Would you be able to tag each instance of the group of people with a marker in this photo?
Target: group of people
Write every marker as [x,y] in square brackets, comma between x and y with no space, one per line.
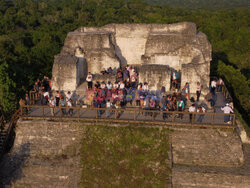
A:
[42,88]
[62,101]
[126,90]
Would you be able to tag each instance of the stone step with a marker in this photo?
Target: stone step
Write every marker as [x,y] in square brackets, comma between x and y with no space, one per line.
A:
[198,179]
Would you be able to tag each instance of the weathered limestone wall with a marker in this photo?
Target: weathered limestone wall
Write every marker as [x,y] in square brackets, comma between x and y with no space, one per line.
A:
[115,45]
[198,73]
[157,76]
[97,46]
[65,73]
[104,78]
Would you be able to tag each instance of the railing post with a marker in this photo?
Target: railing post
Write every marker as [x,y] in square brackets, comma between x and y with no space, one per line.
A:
[96,115]
[60,109]
[115,113]
[212,118]
[193,117]
[43,111]
[234,120]
[30,96]
[21,110]
[78,112]
[134,115]
[173,116]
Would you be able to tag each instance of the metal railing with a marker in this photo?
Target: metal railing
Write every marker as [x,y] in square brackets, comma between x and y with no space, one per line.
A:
[134,113]
[124,114]
[34,96]
[10,125]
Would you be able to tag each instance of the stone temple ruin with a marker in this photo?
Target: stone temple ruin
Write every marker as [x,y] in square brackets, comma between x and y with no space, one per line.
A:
[154,49]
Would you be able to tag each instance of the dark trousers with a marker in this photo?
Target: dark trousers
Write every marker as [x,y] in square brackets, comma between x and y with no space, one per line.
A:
[57,101]
[213,90]
[198,94]
[70,111]
[137,102]
[164,115]
[191,117]
[212,102]
[133,84]
[180,110]
[90,85]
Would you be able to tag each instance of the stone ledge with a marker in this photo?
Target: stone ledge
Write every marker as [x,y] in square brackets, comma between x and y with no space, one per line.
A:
[242,132]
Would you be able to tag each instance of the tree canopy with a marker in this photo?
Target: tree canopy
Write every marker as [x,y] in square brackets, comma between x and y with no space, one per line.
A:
[32,32]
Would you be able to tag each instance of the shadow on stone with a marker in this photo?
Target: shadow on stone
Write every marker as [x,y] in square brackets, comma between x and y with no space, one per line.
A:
[12,164]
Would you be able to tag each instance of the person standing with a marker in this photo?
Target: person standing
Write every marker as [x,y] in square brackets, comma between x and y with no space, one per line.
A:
[191,110]
[57,98]
[108,106]
[198,91]
[175,77]
[213,87]
[69,104]
[69,95]
[22,103]
[227,110]
[89,80]
[219,85]
[201,109]
[62,104]
[181,106]
[187,91]
[52,106]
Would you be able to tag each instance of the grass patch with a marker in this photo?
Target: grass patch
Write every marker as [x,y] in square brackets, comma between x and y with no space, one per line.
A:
[125,157]
[247,128]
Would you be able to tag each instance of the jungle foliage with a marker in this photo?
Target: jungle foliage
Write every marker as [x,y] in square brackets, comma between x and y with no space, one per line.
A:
[32,32]
[208,4]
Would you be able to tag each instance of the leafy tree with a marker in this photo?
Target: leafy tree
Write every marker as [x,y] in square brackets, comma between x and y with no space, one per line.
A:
[7,89]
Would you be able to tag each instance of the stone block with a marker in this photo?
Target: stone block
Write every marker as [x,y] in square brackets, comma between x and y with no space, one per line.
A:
[157,76]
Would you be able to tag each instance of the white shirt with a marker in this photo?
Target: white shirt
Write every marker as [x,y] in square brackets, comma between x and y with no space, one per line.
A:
[227,109]
[213,83]
[122,85]
[145,87]
[174,76]
[89,78]
[116,86]
[52,102]
[103,86]
[69,104]
[198,88]
[109,86]
[191,109]
[46,94]
[180,104]
[68,96]
[108,104]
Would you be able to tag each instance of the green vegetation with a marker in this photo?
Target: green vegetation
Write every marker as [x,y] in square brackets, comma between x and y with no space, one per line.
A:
[209,4]
[32,32]
[125,157]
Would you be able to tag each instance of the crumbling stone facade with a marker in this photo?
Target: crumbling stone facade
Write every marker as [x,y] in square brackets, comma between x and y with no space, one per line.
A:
[173,46]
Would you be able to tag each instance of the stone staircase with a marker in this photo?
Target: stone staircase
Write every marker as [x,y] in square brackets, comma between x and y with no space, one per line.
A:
[210,158]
